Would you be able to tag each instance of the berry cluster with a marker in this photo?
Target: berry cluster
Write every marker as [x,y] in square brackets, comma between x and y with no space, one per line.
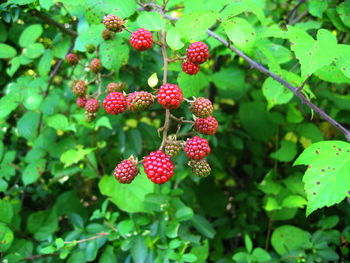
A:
[158,165]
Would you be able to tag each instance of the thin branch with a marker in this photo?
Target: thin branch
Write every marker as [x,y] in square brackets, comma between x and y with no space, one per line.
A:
[291,13]
[181,120]
[99,235]
[50,21]
[264,70]
[92,166]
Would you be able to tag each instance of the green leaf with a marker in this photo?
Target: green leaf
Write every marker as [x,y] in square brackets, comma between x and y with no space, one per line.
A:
[108,255]
[191,85]
[286,152]
[125,227]
[173,39]
[92,36]
[30,35]
[343,60]
[241,257]
[139,249]
[6,211]
[275,93]
[335,19]
[189,257]
[3,32]
[34,50]
[317,7]
[294,201]
[60,122]
[33,171]
[7,51]
[129,198]
[42,224]
[203,226]
[289,238]
[193,26]
[27,125]
[74,156]
[327,176]
[241,33]
[248,243]
[184,213]
[32,100]
[260,255]
[45,63]
[151,21]
[103,122]
[343,9]
[114,54]
[6,237]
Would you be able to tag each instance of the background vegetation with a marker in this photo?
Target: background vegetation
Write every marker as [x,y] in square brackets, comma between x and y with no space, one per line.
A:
[59,201]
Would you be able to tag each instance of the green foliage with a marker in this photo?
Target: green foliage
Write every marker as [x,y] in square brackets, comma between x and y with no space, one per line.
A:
[59,200]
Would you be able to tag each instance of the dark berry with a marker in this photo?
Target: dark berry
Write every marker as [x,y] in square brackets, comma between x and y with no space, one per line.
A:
[126,171]
[170,96]
[72,59]
[141,39]
[158,167]
[80,88]
[114,103]
[96,65]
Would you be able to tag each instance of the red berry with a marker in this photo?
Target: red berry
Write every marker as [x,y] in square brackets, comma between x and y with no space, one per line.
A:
[198,52]
[158,167]
[141,39]
[113,23]
[190,68]
[126,171]
[113,87]
[139,101]
[197,148]
[81,101]
[72,59]
[170,96]
[80,88]
[115,103]
[92,105]
[202,108]
[96,65]
[107,34]
[207,126]
[200,168]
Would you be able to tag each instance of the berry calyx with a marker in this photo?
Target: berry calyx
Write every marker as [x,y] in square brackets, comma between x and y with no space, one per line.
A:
[80,88]
[107,34]
[200,168]
[90,116]
[158,167]
[170,96]
[172,148]
[72,59]
[81,101]
[92,105]
[141,39]
[198,52]
[190,68]
[113,87]
[126,171]
[113,23]
[197,148]
[202,108]
[207,126]
[114,103]
[96,65]
[139,101]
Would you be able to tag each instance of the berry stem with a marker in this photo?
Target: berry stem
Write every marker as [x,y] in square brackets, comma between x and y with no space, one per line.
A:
[181,120]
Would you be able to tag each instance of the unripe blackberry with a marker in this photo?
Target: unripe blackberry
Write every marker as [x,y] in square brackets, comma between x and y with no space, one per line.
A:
[90,48]
[197,148]
[172,148]
[200,168]
[113,87]
[96,65]
[202,108]
[90,116]
[139,101]
[92,105]
[107,34]
[158,167]
[141,39]
[126,171]
[190,68]
[198,52]
[113,23]
[170,96]
[114,103]
[72,59]
[81,101]
[207,126]
[80,88]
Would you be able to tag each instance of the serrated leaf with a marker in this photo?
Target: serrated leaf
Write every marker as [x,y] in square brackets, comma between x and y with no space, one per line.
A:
[42,224]
[33,51]
[294,201]
[151,21]
[114,53]
[27,125]
[327,176]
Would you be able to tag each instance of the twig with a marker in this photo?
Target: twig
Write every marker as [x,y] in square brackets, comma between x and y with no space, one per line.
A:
[291,13]
[264,70]
[99,235]
[92,166]
[181,120]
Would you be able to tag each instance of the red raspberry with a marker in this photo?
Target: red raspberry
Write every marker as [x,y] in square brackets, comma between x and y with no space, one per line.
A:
[72,59]
[126,171]
[207,126]
[92,105]
[170,96]
[113,87]
[139,101]
[96,65]
[115,103]
[158,167]
[113,23]
[80,88]
[190,68]
[197,148]
[81,101]
[202,108]
[200,168]
[141,39]
[107,34]
[198,52]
